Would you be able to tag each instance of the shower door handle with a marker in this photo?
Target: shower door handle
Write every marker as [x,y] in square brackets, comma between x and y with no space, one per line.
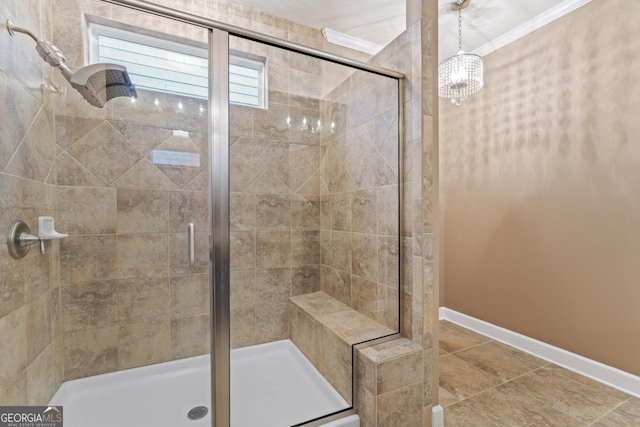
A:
[191,244]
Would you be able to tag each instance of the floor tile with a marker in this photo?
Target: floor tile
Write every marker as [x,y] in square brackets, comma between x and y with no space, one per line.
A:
[446,399]
[454,339]
[463,379]
[602,388]
[462,415]
[506,405]
[577,400]
[627,414]
[500,360]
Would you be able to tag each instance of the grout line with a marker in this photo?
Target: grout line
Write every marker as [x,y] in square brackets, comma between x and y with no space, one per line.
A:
[560,374]
[467,348]
[497,385]
[612,410]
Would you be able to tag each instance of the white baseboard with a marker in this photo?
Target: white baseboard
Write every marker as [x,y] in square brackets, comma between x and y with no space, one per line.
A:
[597,371]
[437,416]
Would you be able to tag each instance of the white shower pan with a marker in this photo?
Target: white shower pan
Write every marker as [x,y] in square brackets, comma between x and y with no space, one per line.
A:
[273,385]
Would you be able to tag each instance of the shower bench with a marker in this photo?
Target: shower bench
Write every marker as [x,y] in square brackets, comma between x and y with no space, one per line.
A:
[325,330]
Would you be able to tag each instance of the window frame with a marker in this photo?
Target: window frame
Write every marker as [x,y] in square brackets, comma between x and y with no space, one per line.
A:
[175,44]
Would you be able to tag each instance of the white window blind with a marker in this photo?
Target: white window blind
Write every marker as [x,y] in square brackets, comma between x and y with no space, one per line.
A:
[165,66]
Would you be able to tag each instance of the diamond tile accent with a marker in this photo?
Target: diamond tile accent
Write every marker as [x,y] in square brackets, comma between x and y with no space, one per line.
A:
[105,153]
[182,175]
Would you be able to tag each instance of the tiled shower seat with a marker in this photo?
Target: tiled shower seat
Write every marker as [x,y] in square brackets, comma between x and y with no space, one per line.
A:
[324,329]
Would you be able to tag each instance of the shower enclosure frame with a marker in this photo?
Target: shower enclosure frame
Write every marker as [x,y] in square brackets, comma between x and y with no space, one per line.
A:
[219,202]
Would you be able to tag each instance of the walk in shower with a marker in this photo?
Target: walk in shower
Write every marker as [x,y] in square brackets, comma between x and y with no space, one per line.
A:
[234,228]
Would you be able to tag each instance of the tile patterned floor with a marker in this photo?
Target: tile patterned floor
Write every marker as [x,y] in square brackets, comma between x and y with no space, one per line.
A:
[484,383]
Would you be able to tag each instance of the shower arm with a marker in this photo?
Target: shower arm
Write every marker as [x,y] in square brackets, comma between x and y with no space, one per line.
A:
[48,51]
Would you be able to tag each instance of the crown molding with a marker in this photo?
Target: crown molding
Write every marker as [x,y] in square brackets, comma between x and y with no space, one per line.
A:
[531,25]
[355,43]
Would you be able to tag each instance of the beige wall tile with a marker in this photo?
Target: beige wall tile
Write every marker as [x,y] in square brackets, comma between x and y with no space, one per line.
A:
[305,247]
[38,313]
[179,256]
[399,372]
[363,208]
[87,258]
[16,393]
[188,207]
[143,255]
[189,336]
[189,295]
[71,172]
[90,352]
[106,153]
[303,161]
[141,300]
[243,326]
[243,250]
[243,211]
[340,211]
[84,210]
[305,279]
[142,211]
[364,295]
[144,175]
[271,123]
[37,270]
[13,352]
[341,250]
[182,175]
[388,261]
[40,379]
[273,249]
[144,138]
[400,407]
[364,260]
[273,212]
[142,344]
[12,283]
[34,157]
[89,305]
[15,98]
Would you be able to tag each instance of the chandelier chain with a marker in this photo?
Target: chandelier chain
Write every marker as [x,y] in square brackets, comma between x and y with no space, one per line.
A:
[460,24]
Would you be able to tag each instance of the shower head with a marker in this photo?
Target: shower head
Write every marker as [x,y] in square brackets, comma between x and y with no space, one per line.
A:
[97,83]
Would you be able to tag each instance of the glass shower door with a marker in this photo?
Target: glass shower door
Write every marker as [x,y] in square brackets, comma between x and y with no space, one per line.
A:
[314,234]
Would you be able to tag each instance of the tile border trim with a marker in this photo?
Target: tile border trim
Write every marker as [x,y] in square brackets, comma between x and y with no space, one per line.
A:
[589,368]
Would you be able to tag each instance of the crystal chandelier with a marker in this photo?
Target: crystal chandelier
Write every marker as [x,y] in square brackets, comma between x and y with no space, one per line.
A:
[462,74]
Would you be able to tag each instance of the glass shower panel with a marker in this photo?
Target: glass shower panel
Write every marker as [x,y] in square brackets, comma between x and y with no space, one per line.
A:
[133,194]
[315,241]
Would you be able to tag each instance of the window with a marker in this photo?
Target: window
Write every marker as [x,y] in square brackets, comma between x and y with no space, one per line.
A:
[163,65]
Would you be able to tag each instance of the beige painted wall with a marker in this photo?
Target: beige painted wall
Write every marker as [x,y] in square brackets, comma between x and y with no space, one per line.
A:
[542,202]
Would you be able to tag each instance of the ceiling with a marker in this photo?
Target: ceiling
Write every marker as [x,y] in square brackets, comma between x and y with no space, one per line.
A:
[380,21]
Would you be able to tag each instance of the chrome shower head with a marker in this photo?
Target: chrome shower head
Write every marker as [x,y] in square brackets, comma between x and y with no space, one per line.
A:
[97,83]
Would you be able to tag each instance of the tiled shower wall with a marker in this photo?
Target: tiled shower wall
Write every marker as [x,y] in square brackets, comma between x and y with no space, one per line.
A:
[128,298]
[30,353]
[275,205]
[359,196]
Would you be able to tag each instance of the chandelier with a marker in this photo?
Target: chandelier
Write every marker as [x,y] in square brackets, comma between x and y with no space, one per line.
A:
[462,74]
